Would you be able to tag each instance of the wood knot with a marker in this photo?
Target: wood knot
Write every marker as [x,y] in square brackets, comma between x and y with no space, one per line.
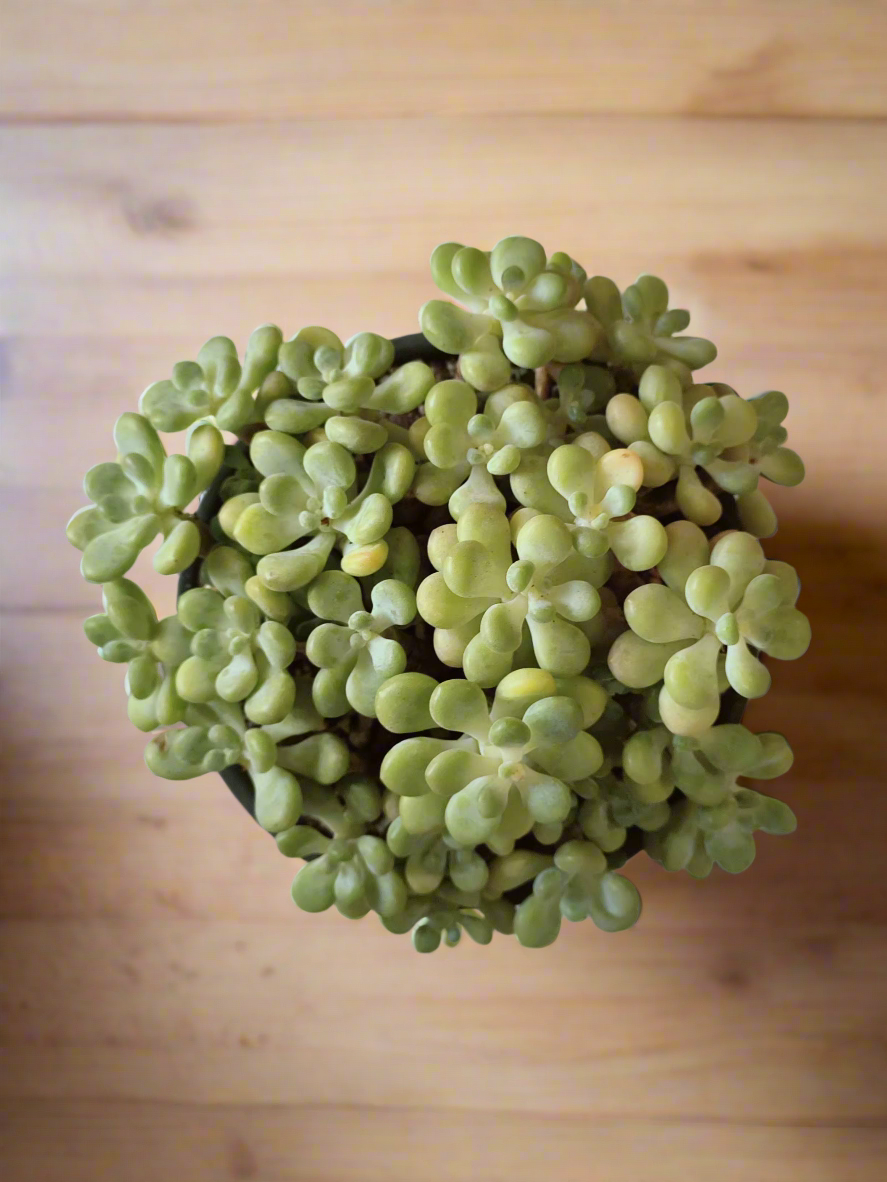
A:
[165,217]
[732,977]
[241,1159]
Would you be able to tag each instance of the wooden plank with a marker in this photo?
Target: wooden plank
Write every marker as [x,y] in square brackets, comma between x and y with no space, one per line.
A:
[223,201]
[61,1141]
[741,1022]
[65,59]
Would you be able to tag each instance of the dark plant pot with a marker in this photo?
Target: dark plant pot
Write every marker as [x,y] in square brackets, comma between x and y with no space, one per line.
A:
[415,347]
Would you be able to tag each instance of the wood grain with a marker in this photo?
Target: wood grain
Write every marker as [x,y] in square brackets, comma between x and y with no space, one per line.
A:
[205,1143]
[168,172]
[242,59]
[314,199]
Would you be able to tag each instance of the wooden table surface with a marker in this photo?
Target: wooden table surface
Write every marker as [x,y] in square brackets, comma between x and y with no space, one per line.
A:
[171,171]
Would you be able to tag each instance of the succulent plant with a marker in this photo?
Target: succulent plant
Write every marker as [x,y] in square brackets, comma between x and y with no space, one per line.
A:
[236,656]
[455,438]
[140,495]
[311,493]
[731,604]
[354,656]
[215,385]
[488,610]
[520,309]
[641,327]
[474,630]
[512,772]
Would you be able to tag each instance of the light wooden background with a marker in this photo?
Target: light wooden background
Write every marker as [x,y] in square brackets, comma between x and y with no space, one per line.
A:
[175,170]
